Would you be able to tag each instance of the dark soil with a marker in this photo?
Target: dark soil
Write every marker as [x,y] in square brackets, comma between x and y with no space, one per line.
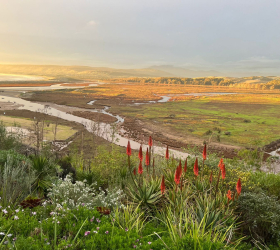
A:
[135,130]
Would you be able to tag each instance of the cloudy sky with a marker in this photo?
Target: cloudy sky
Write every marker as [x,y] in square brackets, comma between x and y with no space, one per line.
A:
[223,35]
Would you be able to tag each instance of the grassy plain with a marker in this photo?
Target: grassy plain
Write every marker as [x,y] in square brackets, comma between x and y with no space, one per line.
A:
[249,123]
[63,132]
[244,118]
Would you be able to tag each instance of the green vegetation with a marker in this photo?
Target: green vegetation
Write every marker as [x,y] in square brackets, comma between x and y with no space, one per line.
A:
[235,118]
[62,132]
[213,81]
[258,83]
[61,202]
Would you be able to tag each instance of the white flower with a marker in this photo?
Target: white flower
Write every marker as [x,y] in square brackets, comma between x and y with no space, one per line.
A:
[9,235]
[17,210]
[16,217]
[1,233]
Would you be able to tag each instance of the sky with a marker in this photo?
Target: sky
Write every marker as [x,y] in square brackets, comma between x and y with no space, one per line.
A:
[222,35]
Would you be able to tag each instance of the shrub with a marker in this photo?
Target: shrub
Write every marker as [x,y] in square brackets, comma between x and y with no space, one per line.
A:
[104,167]
[73,195]
[16,179]
[260,215]
[268,182]
[8,140]
[247,120]
[45,171]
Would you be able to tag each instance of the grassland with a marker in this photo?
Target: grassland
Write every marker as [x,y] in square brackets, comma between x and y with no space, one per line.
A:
[63,132]
[240,119]
[246,123]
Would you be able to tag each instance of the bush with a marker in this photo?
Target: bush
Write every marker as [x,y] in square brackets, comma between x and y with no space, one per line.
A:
[73,195]
[270,183]
[16,178]
[8,140]
[260,216]
[104,168]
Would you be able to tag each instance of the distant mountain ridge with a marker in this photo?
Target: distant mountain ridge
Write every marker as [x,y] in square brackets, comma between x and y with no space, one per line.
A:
[81,72]
[183,72]
[76,72]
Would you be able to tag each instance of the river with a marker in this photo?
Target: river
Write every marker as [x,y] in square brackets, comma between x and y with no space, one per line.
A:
[105,130]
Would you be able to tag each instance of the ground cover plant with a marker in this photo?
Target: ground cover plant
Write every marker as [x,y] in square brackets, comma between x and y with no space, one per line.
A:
[144,202]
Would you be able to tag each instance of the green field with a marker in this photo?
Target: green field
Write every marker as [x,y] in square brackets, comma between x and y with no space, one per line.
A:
[63,132]
[248,123]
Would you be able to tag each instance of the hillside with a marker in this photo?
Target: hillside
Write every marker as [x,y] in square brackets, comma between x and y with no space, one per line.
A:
[80,72]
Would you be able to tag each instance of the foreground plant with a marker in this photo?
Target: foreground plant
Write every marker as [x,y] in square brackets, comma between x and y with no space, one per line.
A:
[146,195]
[73,195]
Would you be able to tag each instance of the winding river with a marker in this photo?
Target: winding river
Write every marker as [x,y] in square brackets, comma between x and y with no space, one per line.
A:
[104,130]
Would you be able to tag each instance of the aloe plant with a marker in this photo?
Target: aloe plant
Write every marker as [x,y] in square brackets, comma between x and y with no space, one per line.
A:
[44,172]
[145,195]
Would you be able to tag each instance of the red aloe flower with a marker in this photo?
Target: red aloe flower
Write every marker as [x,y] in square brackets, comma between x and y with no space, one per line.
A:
[223,169]
[150,141]
[221,163]
[134,171]
[167,153]
[185,167]
[162,186]
[229,195]
[211,177]
[140,154]
[177,176]
[204,154]
[147,162]
[140,168]
[128,149]
[180,167]
[238,186]
[195,168]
